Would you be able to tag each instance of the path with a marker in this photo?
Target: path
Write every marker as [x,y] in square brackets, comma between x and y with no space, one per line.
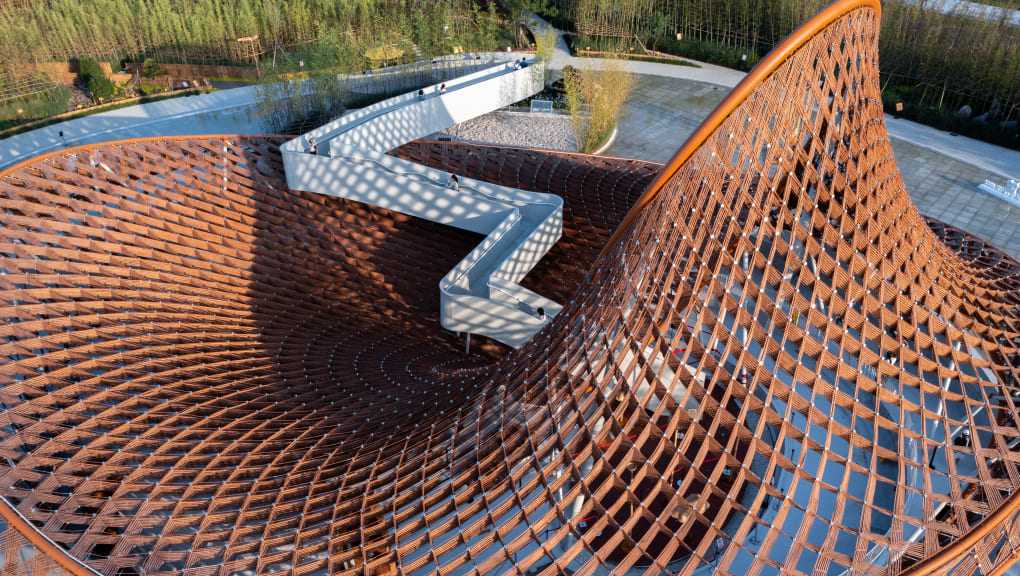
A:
[942,171]
[996,159]
[703,73]
[481,295]
[974,10]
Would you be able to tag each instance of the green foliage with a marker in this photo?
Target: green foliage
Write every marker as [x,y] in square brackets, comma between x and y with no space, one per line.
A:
[951,54]
[294,106]
[556,13]
[659,25]
[205,31]
[922,106]
[711,51]
[594,100]
[91,75]
[50,103]
[952,60]
[101,88]
[88,69]
[149,68]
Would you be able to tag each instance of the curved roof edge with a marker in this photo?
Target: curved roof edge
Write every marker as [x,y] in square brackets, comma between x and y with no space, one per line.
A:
[39,540]
[756,76]
[1003,515]
[7,511]
[71,149]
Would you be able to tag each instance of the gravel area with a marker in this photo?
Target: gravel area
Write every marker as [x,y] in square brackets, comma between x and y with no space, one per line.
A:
[548,131]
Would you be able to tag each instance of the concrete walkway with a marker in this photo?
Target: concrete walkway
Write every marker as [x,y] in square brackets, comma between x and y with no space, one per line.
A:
[225,112]
[1000,161]
[941,171]
[482,294]
[704,72]
[663,112]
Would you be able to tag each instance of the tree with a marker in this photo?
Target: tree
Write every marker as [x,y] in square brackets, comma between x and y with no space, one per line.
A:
[595,99]
[91,75]
[100,87]
[573,94]
[521,11]
[150,69]
[545,47]
[658,26]
[88,68]
[294,106]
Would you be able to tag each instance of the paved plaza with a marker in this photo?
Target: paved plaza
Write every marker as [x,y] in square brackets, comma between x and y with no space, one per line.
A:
[664,111]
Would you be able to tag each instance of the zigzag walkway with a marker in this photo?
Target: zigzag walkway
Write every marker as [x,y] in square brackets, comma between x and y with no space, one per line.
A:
[481,295]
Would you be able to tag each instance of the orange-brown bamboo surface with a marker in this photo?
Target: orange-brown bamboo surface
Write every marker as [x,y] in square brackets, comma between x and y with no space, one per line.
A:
[776,367]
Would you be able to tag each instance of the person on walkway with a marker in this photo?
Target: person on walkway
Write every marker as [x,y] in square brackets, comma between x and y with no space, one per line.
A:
[963,439]
[541,314]
[421,95]
[312,147]
[453,183]
[442,89]
[517,64]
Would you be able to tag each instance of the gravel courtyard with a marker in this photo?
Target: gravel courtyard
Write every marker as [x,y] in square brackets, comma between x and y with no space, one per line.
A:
[548,131]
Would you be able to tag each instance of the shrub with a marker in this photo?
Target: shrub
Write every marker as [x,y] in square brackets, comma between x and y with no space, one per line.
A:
[709,51]
[30,108]
[92,76]
[88,68]
[149,68]
[100,87]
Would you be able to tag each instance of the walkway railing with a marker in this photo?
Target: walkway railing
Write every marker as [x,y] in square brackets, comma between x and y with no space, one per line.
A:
[480,295]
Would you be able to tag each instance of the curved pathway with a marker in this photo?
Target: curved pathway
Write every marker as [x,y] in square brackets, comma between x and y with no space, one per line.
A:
[481,295]
[996,159]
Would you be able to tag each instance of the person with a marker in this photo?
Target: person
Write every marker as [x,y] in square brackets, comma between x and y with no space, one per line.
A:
[453,183]
[421,95]
[963,439]
[524,63]
[312,147]
[517,64]
[508,49]
[541,314]
[442,89]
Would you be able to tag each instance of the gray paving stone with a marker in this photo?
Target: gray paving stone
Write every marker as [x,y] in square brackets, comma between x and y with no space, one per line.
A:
[663,112]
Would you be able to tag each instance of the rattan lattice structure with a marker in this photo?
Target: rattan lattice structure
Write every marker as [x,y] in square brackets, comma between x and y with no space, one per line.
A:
[774,365]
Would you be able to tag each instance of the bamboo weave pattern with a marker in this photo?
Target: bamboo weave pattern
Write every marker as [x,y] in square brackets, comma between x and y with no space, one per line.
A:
[771,372]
